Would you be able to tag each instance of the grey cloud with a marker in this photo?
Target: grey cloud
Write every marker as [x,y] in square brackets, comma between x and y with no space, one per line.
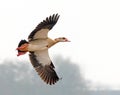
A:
[22,79]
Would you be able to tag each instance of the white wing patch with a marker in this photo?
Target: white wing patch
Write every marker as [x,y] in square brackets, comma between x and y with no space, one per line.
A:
[43,57]
[41,34]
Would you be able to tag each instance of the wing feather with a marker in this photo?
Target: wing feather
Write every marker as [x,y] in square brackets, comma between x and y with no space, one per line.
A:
[41,31]
[45,71]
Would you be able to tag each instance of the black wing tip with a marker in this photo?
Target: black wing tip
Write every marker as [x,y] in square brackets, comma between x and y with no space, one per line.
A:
[55,15]
[52,81]
[47,74]
[52,19]
[51,78]
[48,23]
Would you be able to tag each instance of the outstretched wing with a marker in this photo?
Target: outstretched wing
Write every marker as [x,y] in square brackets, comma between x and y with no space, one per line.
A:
[43,65]
[41,31]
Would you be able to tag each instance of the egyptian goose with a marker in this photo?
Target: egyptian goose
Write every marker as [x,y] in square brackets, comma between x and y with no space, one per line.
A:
[37,45]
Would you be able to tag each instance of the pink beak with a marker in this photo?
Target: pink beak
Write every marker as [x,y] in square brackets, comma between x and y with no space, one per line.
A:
[68,40]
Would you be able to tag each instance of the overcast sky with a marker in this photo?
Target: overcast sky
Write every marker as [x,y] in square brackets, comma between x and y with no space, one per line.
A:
[93,26]
[17,79]
[21,79]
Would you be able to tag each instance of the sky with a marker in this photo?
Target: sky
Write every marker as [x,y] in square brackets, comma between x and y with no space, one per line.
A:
[92,26]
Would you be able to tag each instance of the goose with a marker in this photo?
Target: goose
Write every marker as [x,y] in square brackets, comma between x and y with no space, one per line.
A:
[37,45]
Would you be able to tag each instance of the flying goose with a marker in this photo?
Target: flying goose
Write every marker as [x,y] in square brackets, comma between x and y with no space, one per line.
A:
[37,45]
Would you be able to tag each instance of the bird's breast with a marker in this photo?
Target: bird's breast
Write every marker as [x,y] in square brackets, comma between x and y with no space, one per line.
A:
[37,45]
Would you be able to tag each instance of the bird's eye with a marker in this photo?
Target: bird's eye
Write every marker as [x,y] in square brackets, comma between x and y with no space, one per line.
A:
[63,37]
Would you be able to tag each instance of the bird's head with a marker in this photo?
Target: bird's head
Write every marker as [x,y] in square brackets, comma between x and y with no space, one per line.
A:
[62,39]
[22,47]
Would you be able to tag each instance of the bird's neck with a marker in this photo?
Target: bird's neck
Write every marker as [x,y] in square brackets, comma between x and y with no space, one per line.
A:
[53,42]
[56,41]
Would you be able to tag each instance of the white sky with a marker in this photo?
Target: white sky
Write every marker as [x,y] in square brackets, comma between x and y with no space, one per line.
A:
[93,26]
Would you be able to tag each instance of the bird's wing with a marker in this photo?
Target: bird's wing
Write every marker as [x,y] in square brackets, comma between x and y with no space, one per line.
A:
[43,65]
[41,31]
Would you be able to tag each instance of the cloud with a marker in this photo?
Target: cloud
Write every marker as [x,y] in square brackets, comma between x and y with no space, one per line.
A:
[21,79]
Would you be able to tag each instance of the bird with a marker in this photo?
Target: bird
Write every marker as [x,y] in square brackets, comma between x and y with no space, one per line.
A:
[37,45]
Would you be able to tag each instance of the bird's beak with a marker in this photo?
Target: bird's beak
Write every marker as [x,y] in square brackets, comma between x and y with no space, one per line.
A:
[68,40]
